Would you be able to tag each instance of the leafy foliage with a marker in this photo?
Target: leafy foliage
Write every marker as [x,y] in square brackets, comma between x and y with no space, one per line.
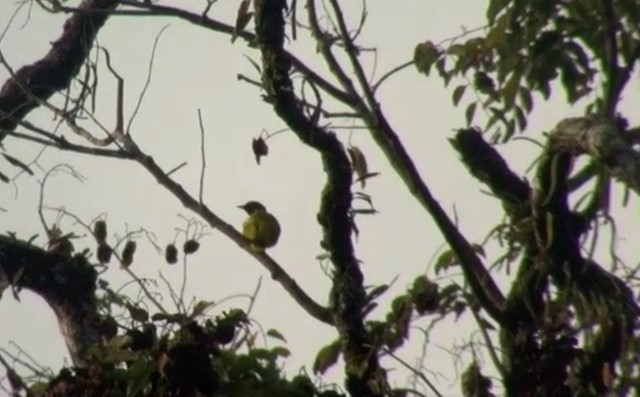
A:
[527,47]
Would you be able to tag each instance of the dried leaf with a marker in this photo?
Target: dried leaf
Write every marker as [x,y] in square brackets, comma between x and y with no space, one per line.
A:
[242,19]
[358,163]
[15,162]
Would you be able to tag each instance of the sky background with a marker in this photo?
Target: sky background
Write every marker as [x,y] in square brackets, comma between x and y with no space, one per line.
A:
[197,69]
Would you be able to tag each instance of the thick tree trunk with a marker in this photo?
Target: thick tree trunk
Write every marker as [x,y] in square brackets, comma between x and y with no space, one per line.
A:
[66,283]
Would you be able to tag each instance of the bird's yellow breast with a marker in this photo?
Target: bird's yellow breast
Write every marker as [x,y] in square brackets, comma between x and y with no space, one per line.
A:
[262,229]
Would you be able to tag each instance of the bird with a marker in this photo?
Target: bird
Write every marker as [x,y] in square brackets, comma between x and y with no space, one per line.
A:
[261,227]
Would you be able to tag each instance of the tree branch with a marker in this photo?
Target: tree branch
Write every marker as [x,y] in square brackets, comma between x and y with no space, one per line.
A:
[364,375]
[602,140]
[277,272]
[55,71]
[66,283]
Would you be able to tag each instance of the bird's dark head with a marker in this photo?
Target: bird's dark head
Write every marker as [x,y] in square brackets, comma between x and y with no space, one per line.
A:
[252,207]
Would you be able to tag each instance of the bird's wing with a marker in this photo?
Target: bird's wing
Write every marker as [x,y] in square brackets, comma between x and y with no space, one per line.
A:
[275,232]
[250,228]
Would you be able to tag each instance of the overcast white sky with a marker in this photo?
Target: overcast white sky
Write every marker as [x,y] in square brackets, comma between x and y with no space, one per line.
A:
[195,68]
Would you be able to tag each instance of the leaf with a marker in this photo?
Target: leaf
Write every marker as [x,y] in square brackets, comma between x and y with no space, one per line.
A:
[483,83]
[494,8]
[365,211]
[521,119]
[511,129]
[201,307]
[449,290]
[322,257]
[470,112]
[327,357]
[458,50]
[358,163]
[275,334]
[525,99]
[424,56]
[458,93]
[376,292]
[364,197]
[281,351]
[510,90]
[366,176]
[15,162]
[138,375]
[242,19]
[255,65]
[368,308]
[138,314]
[478,249]
[4,178]
[115,356]
[32,239]
[446,259]
[260,148]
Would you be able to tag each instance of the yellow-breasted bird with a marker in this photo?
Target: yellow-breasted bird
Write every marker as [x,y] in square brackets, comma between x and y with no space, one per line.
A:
[261,228]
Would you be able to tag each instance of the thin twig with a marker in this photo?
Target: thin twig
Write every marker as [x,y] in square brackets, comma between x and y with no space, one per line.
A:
[391,73]
[414,371]
[254,296]
[176,168]
[183,284]
[147,81]
[489,343]
[14,378]
[203,157]
[352,54]
[10,22]
[172,292]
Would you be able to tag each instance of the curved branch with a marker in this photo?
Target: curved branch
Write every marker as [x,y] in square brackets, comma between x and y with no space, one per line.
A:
[604,142]
[364,376]
[277,272]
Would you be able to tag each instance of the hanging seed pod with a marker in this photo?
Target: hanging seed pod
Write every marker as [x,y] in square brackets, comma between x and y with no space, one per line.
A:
[190,246]
[260,148]
[127,253]
[104,253]
[100,231]
[171,254]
